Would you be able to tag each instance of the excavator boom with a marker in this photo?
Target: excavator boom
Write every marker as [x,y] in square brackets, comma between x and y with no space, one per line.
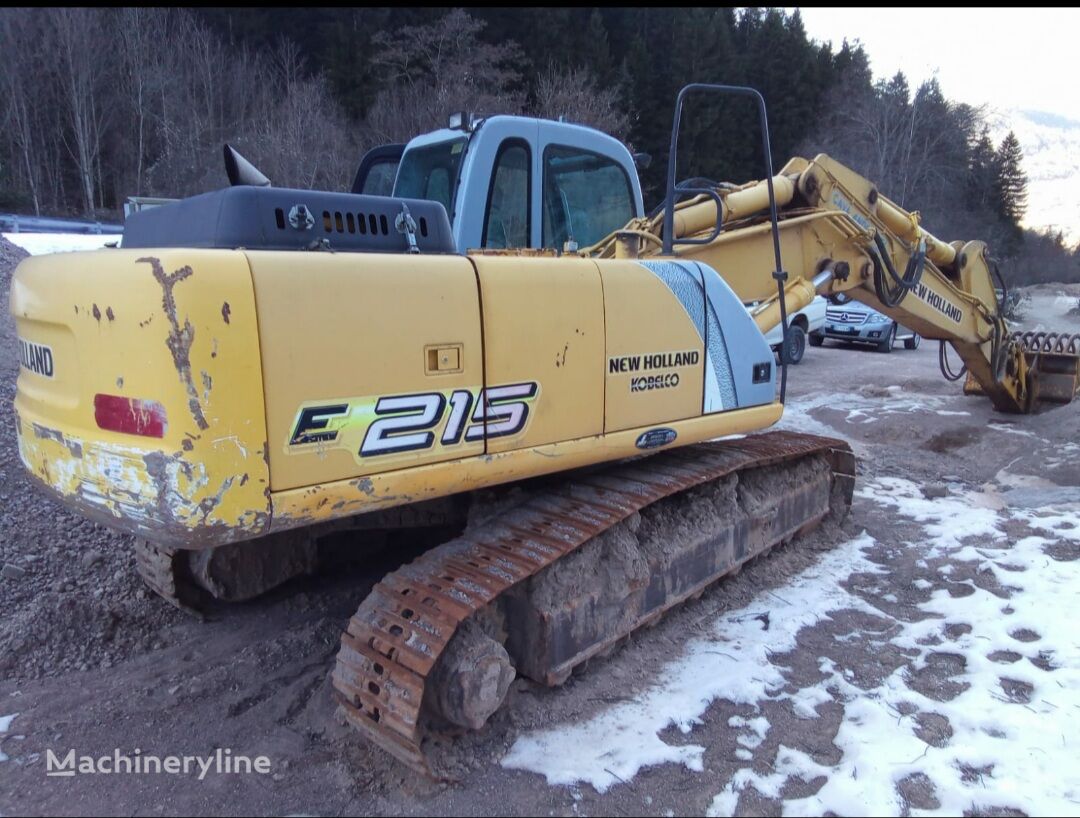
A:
[839,234]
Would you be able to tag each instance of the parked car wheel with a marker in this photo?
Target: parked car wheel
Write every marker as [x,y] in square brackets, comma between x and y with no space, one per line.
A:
[912,342]
[796,344]
[890,339]
[816,339]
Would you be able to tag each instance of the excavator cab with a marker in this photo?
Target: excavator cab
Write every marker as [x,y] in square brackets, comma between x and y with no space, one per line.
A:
[377,170]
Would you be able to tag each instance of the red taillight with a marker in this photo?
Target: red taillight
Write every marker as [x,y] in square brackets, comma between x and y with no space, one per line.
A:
[131,416]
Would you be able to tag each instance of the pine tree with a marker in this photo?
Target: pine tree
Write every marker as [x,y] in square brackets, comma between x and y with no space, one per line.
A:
[1011,182]
[982,179]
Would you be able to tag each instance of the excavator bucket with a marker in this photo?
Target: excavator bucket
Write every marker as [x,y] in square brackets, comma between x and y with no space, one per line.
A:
[1053,359]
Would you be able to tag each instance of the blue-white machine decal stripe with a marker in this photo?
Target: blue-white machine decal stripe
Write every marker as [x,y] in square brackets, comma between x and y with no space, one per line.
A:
[685,280]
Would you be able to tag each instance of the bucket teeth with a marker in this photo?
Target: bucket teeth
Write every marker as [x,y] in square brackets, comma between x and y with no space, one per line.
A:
[1057,343]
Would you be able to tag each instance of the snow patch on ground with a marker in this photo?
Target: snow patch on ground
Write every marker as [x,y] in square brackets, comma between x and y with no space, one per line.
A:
[37,244]
[733,663]
[861,409]
[5,725]
[1015,723]
[947,520]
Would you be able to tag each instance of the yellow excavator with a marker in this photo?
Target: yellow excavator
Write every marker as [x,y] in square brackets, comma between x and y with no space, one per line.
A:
[501,343]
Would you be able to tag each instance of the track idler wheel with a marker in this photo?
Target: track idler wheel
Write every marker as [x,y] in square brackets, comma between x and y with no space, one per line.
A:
[472,678]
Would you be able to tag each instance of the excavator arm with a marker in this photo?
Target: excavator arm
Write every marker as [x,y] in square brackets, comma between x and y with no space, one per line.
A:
[838,234]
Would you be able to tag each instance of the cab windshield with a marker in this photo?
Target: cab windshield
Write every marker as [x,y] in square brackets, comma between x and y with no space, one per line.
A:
[431,172]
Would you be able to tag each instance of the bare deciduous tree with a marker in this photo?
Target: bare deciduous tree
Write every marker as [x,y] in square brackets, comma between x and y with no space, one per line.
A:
[82,67]
[573,95]
[17,33]
[436,69]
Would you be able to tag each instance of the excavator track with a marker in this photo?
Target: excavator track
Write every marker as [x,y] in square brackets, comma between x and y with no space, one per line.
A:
[163,570]
[388,668]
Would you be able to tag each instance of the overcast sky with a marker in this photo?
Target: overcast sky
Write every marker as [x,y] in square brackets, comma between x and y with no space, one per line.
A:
[1010,58]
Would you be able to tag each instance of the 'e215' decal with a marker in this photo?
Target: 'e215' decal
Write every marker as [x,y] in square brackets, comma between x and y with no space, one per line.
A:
[405,423]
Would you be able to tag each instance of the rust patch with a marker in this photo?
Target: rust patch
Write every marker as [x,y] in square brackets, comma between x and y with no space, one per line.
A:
[208,504]
[180,338]
[226,311]
[109,314]
[146,322]
[244,479]
[365,485]
[560,359]
[157,467]
[45,433]
[96,313]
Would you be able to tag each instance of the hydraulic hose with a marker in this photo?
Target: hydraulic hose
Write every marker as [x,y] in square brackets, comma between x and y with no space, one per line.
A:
[912,274]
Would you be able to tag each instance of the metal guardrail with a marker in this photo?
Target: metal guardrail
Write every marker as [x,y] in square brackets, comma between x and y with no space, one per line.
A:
[13,223]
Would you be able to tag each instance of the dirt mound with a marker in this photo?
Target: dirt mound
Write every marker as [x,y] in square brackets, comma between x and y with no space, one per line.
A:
[10,255]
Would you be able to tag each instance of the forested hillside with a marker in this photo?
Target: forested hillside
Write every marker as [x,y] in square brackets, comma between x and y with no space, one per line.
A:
[138,101]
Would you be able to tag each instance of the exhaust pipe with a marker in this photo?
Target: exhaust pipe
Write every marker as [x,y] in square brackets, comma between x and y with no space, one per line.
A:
[241,171]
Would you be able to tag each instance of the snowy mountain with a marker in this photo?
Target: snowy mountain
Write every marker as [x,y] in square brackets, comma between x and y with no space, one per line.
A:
[1051,146]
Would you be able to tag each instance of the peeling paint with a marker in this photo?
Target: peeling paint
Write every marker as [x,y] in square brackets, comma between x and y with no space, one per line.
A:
[365,485]
[96,313]
[180,338]
[120,382]
[186,445]
[45,433]
[208,504]
[109,314]
[226,310]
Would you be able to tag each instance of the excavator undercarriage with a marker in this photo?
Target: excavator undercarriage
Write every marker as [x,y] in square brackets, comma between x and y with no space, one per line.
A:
[540,588]
[539,581]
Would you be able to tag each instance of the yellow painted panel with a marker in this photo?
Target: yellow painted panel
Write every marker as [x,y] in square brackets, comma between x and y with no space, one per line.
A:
[341,331]
[299,507]
[544,323]
[170,335]
[655,356]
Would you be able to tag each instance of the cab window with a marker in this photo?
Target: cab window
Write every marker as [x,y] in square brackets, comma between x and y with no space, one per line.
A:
[506,219]
[380,178]
[431,172]
[586,196]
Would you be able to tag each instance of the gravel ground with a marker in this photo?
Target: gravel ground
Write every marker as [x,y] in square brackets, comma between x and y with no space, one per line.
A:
[91,662]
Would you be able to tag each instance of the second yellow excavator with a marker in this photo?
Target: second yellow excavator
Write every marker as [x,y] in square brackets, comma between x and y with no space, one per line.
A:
[258,366]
